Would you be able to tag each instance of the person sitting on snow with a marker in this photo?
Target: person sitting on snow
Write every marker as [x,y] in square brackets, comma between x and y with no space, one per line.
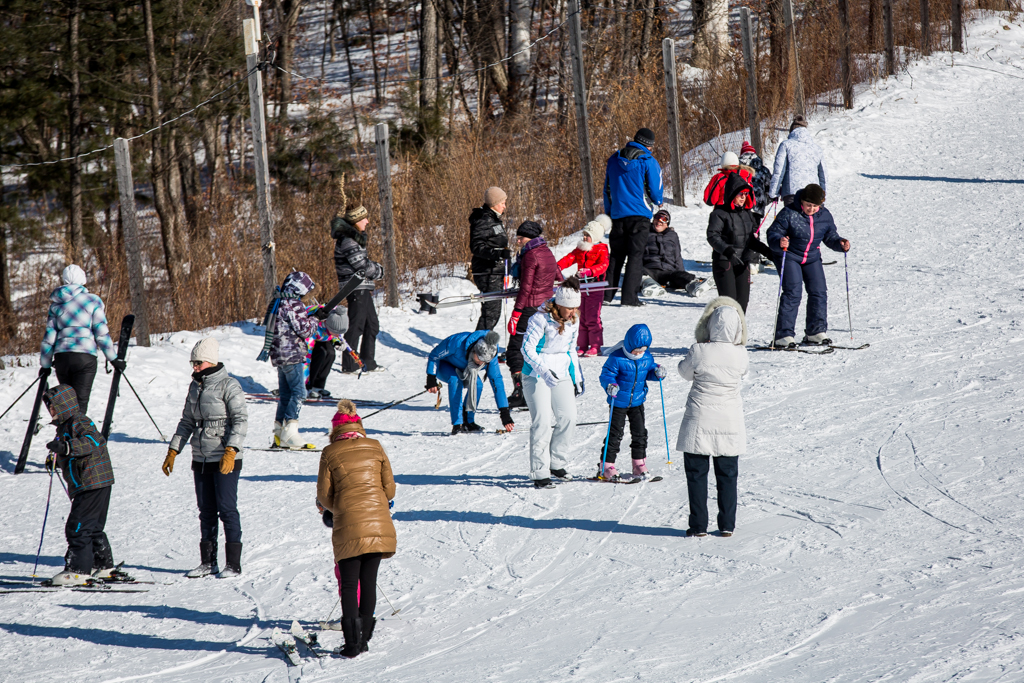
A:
[624,377]
[459,361]
[663,259]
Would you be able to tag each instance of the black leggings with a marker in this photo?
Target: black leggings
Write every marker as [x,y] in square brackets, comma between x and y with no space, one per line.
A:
[734,283]
[356,571]
[77,370]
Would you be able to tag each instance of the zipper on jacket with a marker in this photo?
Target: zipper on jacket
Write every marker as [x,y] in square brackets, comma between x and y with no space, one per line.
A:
[809,242]
[636,374]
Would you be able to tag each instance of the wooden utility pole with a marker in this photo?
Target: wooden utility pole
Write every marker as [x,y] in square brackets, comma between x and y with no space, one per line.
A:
[250,31]
[130,238]
[749,63]
[579,92]
[387,218]
[794,58]
[846,53]
[926,29]
[890,48]
[957,29]
[668,58]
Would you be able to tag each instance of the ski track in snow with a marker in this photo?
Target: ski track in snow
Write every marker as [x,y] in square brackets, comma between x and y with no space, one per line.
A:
[880,501]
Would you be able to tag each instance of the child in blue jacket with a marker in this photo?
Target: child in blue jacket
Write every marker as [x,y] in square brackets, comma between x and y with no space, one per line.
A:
[459,361]
[624,377]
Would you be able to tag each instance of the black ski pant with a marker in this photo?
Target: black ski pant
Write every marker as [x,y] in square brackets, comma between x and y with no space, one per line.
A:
[88,547]
[733,282]
[490,311]
[637,432]
[727,471]
[320,363]
[361,569]
[217,497]
[627,242]
[362,323]
[514,352]
[676,279]
[79,371]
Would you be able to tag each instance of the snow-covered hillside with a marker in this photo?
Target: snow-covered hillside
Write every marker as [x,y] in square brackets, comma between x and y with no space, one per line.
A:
[879,532]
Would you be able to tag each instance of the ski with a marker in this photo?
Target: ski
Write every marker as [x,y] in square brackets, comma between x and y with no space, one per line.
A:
[849,348]
[286,644]
[32,428]
[278,449]
[307,639]
[351,285]
[127,323]
[824,350]
[92,587]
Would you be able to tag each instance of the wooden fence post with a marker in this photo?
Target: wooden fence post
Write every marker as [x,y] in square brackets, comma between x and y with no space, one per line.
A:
[890,48]
[926,29]
[579,91]
[750,64]
[789,18]
[668,58]
[846,54]
[957,28]
[259,153]
[130,236]
[387,220]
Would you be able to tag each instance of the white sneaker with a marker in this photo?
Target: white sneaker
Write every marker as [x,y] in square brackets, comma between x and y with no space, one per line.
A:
[70,578]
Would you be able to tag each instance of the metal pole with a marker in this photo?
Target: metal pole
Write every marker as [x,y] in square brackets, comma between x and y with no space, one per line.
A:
[130,235]
[259,153]
[794,58]
[747,33]
[387,220]
[668,58]
[579,91]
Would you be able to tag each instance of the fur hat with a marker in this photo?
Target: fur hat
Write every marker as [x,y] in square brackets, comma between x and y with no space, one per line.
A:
[494,196]
[529,229]
[729,159]
[595,230]
[73,275]
[605,220]
[813,194]
[798,122]
[206,351]
[645,137]
[354,214]
[747,148]
[486,348]
[568,293]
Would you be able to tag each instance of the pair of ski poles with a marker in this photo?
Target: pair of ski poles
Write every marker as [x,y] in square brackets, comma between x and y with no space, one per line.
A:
[782,273]
[664,424]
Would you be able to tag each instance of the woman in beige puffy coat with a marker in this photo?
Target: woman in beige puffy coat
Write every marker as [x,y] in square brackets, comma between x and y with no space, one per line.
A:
[355,483]
[713,424]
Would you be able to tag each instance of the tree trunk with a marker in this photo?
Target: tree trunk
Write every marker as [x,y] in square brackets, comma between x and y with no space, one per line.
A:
[875,25]
[378,96]
[645,35]
[429,71]
[519,16]
[776,40]
[710,33]
[214,158]
[8,322]
[74,251]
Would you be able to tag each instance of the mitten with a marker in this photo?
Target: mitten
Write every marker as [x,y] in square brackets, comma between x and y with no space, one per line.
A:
[431,381]
[660,372]
[44,372]
[227,461]
[612,389]
[119,364]
[506,416]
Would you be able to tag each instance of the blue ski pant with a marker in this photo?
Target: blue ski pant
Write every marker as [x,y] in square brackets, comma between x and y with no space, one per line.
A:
[449,374]
[797,277]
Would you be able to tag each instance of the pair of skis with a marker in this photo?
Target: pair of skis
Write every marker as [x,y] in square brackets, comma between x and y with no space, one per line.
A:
[813,350]
[287,643]
[505,294]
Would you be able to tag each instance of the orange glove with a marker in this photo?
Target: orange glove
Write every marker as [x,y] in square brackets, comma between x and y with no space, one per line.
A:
[514,322]
[169,461]
[227,461]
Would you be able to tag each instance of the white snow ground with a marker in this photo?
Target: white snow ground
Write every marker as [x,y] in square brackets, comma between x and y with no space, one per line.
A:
[880,523]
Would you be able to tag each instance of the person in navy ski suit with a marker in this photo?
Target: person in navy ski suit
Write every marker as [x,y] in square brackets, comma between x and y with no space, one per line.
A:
[796,236]
[457,361]
[624,377]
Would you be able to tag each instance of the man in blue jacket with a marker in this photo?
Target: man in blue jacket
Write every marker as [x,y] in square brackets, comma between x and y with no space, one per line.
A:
[632,188]
[796,236]
[459,361]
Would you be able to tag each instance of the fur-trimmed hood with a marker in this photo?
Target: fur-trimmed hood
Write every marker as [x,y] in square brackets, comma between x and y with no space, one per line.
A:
[703,331]
[340,228]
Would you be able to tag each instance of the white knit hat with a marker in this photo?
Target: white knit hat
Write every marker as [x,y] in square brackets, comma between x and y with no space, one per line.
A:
[595,230]
[605,220]
[73,275]
[730,159]
[206,351]
[568,297]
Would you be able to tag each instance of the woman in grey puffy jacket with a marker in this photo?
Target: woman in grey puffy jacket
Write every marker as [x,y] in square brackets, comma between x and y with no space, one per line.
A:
[215,420]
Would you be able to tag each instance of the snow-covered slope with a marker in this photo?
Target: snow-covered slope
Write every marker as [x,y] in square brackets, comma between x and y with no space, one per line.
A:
[879,533]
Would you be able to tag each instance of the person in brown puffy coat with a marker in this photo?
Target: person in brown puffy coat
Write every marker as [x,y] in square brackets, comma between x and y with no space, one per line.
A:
[355,483]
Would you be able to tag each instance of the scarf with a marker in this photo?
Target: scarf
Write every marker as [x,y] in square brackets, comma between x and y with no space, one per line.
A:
[469,377]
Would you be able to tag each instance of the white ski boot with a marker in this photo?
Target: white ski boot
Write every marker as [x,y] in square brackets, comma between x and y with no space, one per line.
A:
[277,434]
[70,578]
[699,286]
[291,439]
[649,287]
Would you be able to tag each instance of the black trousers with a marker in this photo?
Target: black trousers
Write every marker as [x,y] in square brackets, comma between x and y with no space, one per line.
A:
[361,569]
[727,471]
[626,243]
[79,371]
[362,323]
[676,279]
[217,497]
[637,432]
[320,363]
[490,311]
[734,283]
[88,547]
[514,352]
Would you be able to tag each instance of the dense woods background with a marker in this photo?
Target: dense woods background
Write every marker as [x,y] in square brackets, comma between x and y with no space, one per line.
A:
[477,92]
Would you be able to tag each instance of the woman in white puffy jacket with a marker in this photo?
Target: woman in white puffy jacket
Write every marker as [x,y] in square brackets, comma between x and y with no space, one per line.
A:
[713,423]
[551,380]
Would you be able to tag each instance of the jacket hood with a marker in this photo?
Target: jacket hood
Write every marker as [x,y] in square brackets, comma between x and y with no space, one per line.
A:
[298,283]
[734,184]
[532,244]
[66,293]
[483,212]
[801,134]
[724,331]
[632,148]
[637,336]
[63,400]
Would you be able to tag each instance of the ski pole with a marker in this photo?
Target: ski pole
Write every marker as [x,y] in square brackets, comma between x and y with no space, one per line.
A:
[778,304]
[392,405]
[664,423]
[45,515]
[765,219]
[607,436]
[849,313]
[394,611]
[19,397]
[162,437]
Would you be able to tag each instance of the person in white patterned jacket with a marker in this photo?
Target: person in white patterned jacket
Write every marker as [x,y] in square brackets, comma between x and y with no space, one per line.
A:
[76,332]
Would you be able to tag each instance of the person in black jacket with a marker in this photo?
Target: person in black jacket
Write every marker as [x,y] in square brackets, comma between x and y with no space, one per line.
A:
[489,246]
[732,235]
[663,257]
[351,258]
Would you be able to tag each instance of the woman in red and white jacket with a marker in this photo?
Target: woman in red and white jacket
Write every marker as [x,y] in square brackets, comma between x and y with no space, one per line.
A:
[591,258]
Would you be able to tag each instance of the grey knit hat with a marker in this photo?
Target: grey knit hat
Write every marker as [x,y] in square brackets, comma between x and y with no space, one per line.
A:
[486,347]
[337,322]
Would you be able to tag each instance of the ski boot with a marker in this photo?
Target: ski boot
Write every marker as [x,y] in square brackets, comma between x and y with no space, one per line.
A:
[561,474]
[517,400]
[543,484]
[785,343]
[608,472]
[70,577]
[640,468]
[816,340]
[468,425]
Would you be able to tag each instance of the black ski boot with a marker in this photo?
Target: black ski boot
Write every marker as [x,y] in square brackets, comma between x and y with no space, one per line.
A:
[207,560]
[368,625]
[232,561]
[517,400]
[457,429]
[352,628]
[469,427]
[103,557]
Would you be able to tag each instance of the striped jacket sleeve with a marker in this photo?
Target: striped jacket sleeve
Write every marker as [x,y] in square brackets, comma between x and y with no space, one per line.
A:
[49,339]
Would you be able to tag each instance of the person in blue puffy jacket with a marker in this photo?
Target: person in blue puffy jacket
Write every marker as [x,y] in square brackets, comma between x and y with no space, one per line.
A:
[624,377]
[796,236]
[460,361]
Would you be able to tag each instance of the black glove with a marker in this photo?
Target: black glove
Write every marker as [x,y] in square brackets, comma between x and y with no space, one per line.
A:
[321,313]
[44,372]
[431,381]
[506,416]
[734,258]
[119,364]
[505,254]
[58,447]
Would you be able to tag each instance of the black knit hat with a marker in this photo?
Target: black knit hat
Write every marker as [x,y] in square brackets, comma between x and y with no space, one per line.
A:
[645,137]
[813,194]
[529,229]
